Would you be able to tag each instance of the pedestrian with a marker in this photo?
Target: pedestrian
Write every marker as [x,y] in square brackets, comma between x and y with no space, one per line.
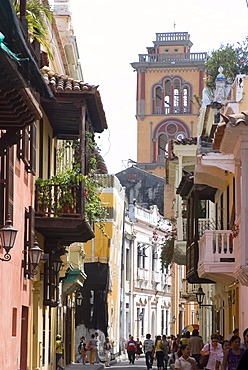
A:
[138,350]
[107,351]
[82,340]
[185,338]
[233,355]
[159,351]
[97,348]
[149,350]
[195,344]
[91,347]
[84,353]
[59,351]
[212,349]
[219,361]
[166,351]
[243,363]
[184,361]
[131,347]
[244,344]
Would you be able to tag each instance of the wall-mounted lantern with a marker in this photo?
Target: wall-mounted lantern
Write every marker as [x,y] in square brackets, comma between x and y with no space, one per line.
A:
[8,236]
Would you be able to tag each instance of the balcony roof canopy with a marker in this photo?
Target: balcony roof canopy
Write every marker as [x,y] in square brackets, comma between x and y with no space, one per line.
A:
[187,185]
[65,113]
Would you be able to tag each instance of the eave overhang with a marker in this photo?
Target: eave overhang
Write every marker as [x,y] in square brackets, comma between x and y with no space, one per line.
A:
[66,112]
[66,230]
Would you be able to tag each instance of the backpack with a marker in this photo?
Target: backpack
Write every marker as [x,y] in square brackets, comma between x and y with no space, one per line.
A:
[79,348]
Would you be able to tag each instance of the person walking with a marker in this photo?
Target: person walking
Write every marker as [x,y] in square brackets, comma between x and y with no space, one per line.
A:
[219,361]
[82,340]
[149,350]
[59,347]
[131,347]
[138,350]
[159,350]
[185,338]
[244,344]
[107,351]
[184,361]
[166,351]
[243,363]
[84,353]
[233,355]
[92,349]
[212,349]
[195,344]
[97,361]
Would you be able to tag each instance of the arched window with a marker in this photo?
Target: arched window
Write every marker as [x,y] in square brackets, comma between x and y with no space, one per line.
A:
[167,92]
[162,142]
[185,100]
[177,97]
[158,100]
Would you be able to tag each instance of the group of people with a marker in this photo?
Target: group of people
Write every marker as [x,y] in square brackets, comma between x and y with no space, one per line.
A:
[187,352]
[92,348]
[219,354]
[154,350]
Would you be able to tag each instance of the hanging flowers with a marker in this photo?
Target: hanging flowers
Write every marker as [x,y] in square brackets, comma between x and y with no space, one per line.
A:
[167,245]
[235,231]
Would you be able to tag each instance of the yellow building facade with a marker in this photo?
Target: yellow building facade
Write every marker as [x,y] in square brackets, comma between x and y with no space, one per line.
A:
[103,253]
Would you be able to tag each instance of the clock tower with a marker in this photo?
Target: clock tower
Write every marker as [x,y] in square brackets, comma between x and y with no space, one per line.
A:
[169,90]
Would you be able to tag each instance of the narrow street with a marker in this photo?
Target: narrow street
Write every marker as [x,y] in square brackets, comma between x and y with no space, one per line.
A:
[139,364]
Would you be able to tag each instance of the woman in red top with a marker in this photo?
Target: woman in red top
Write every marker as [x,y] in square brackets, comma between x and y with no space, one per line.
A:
[131,347]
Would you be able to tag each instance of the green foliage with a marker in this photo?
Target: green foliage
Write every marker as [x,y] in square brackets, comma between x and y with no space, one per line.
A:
[233,60]
[167,247]
[37,12]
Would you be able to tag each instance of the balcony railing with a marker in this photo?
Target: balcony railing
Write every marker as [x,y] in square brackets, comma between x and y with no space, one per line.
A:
[217,256]
[58,200]
[142,274]
[216,246]
[156,276]
[175,57]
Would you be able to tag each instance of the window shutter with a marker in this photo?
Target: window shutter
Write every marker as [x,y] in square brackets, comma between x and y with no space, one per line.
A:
[32,164]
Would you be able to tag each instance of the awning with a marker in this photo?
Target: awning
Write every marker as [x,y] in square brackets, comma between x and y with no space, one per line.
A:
[74,279]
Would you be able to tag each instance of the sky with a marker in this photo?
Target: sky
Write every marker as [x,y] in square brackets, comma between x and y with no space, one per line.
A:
[111,33]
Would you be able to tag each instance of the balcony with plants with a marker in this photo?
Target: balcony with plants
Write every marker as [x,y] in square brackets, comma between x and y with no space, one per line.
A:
[67,205]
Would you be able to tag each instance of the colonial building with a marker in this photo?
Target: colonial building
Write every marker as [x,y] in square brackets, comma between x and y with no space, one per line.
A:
[216,253]
[39,111]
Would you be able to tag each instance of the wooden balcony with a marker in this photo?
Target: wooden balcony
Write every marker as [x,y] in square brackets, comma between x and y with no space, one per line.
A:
[217,256]
[59,213]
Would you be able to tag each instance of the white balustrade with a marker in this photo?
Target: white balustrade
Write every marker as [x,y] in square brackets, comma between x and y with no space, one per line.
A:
[216,246]
[156,276]
[142,273]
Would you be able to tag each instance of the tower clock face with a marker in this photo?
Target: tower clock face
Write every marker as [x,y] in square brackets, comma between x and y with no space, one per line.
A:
[180,136]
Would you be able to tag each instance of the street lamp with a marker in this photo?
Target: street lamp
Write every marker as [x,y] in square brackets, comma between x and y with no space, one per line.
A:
[34,255]
[79,299]
[200,297]
[56,262]
[8,236]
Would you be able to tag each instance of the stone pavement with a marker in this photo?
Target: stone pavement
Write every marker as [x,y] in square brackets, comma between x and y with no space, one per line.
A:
[84,367]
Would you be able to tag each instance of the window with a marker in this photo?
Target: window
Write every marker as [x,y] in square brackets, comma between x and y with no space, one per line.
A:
[172,96]
[14,321]
[185,100]
[162,142]
[158,100]
[177,97]
[27,148]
